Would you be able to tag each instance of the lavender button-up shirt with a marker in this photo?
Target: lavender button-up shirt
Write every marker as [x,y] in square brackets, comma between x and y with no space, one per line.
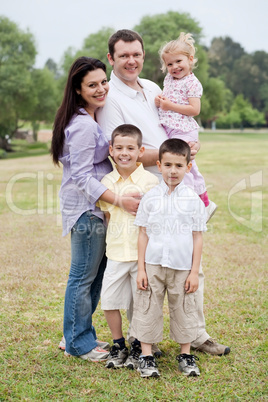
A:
[85,163]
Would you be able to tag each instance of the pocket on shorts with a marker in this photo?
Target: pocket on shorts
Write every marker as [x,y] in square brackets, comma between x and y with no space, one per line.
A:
[189,303]
[143,300]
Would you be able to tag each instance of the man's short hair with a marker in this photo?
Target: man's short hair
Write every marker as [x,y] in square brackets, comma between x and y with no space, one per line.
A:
[177,147]
[126,35]
[127,130]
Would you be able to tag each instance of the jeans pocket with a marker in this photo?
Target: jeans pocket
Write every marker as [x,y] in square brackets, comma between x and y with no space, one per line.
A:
[143,298]
[189,303]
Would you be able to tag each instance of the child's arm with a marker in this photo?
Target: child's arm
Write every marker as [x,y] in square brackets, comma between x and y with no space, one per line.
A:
[191,284]
[193,109]
[142,281]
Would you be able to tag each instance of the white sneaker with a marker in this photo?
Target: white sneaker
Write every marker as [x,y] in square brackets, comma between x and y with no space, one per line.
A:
[210,210]
[95,355]
[100,344]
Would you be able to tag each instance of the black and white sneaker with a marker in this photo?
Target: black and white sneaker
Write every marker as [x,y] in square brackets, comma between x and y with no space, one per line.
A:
[132,361]
[187,365]
[147,367]
[116,357]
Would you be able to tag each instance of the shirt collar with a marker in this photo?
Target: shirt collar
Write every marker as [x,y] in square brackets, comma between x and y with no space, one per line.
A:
[130,92]
[165,188]
[134,175]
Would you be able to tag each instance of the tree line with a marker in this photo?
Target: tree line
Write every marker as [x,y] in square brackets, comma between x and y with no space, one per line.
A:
[235,83]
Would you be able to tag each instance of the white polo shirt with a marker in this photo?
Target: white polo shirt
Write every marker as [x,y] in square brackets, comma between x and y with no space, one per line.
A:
[170,221]
[125,105]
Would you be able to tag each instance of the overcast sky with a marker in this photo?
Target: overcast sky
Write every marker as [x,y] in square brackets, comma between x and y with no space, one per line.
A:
[58,24]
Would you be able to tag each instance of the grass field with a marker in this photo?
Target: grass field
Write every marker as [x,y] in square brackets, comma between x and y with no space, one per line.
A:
[34,269]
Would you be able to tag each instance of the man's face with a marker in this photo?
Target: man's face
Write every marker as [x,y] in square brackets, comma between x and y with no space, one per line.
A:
[128,61]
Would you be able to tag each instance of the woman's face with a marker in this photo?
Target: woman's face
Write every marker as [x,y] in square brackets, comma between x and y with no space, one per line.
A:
[94,89]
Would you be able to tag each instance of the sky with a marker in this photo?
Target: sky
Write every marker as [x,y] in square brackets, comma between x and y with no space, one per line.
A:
[59,24]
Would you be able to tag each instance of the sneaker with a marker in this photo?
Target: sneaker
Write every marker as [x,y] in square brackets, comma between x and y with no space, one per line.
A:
[100,344]
[210,210]
[147,367]
[132,361]
[116,357]
[95,355]
[187,365]
[62,343]
[156,351]
[212,347]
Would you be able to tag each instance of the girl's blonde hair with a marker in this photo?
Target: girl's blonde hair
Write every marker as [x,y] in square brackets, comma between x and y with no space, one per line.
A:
[184,45]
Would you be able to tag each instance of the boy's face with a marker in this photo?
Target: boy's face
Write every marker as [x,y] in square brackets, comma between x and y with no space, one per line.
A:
[173,168]
[125,152]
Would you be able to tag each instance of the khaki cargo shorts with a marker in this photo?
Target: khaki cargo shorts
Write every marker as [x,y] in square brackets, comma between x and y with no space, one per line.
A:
[147,323]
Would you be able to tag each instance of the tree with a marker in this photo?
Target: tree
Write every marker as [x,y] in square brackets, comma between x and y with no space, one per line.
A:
[222,54]
[17,56]
[95,45]
[44,98]
[52,66]
[249,77]
[242,73]
[214,100]
[247,113]
[241,114]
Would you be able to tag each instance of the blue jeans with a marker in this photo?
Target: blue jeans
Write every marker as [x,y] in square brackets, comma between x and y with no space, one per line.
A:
[84,284]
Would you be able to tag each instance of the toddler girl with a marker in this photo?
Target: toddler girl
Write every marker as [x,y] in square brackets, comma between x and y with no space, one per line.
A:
[180,101]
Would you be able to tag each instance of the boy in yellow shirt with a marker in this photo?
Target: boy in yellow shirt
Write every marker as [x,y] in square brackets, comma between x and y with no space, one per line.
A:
[119,282]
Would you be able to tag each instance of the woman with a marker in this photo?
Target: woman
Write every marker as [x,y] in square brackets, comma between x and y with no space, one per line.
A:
[80,145]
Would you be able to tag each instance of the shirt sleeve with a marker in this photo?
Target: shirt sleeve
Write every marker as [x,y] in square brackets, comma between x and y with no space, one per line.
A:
[110,116]
[81,137]
[195,89]
[142,213]
[199,218]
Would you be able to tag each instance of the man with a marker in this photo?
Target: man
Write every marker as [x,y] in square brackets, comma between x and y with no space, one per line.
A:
[131,100]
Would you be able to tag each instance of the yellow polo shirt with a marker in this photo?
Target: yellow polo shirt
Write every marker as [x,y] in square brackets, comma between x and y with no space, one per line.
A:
[122,234]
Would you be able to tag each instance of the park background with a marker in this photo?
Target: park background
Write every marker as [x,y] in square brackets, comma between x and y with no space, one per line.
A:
[35,258]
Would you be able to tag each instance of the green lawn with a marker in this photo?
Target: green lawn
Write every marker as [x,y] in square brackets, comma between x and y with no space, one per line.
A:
[34,269]
[21,149]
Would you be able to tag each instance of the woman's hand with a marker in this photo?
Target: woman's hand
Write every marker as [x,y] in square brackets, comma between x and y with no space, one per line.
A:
[130,203]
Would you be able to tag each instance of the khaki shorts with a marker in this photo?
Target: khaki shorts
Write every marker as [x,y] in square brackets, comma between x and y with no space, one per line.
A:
[119,285]
[147,322]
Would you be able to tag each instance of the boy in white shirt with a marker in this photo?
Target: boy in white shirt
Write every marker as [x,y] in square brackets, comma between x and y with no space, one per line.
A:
[119,281]
[171,218]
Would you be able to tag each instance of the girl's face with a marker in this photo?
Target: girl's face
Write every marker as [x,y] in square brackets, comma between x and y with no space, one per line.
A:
[94,90]
[178,65]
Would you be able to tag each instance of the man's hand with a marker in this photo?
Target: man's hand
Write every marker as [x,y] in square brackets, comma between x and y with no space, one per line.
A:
[164,103]
[195,146]
[157,101]
[191,284]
